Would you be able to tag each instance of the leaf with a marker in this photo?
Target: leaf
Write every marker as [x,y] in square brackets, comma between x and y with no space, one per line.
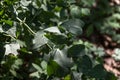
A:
[18,62]
[76,50]
[73,26]
[88,2]
[116,15]
[10,1]
[110,76]
[85,65]
[52,67]
[1,29]
[25,2]
[116,54]
[44,66]
[71,1]
[9,22]
[53,30]
[12,48]
[1,12]
[113,24]
[98,51]
[37,67]
[68,77]
[21,43]
[12,31]
[76,75]
[13,72]
[39,39]
[35,74]
[89,30]
[98,72]
[75,11]
[85,11]
[57,38]
[61,58]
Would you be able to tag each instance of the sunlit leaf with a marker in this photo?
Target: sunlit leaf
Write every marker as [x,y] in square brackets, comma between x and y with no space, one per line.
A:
[61,58]
[53,30]
[39,39]
[37,67]
[12,48]
[35,74]
[25,2]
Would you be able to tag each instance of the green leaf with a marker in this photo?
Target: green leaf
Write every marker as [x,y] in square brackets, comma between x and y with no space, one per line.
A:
[116,15]
[98,72]
[44,66]
[35,74]
[113,24]
[53,30]
[18,62]
[76,50]
[89,30]
[52,67]
[76,75]
[75,11]
[25,2]
[116,54]
[1,12]
[9,22]
[73,26]
[37,67]
[85,65]
[13,72]
[57,38]
[88,2]
[12,48]
[10,1]
[12,31]
[39,39]
[110,76]
[71,1]
[68,77]
[98,51]
[85,11]
[61,58]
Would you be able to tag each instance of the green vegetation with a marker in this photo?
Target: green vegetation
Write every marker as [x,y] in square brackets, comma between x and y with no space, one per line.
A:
[46,39]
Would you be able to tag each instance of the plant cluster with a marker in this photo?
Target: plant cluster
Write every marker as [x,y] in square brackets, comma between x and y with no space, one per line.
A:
[40,39]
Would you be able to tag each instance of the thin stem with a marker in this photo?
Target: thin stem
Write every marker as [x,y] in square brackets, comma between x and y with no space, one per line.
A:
[26,26]
[10,36]
[49,46]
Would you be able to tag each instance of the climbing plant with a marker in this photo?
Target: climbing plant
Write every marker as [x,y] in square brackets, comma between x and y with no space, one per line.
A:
[41,39]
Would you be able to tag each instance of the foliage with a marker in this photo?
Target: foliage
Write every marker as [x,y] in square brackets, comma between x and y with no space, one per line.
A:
[39,39]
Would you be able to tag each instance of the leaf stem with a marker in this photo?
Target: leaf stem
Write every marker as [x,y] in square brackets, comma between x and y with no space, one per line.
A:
[49,46]
[26,26]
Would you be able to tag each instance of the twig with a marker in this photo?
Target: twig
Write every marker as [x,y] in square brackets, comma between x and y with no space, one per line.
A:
[26,26]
